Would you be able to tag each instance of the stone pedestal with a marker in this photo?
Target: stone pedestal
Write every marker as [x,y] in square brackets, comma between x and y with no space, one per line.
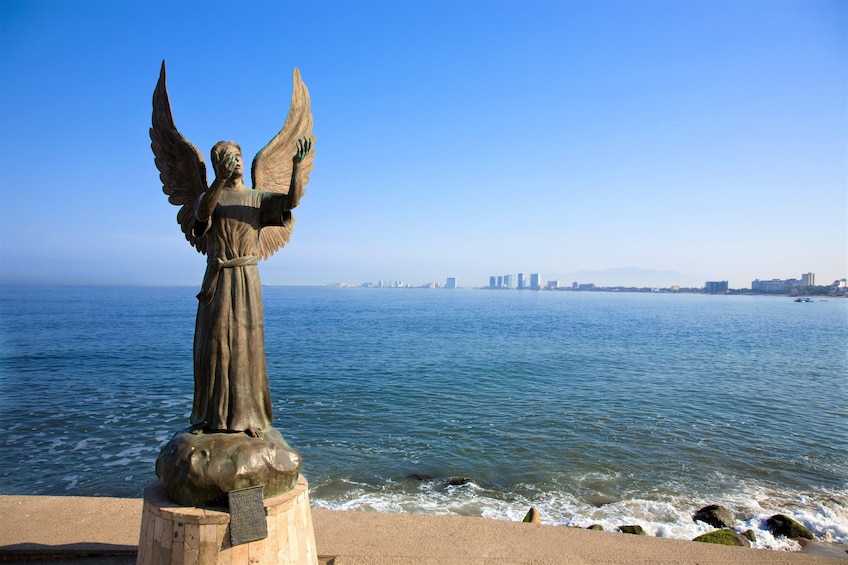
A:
[182,535]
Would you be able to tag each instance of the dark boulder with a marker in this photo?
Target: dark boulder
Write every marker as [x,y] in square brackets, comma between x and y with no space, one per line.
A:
[596,527]
[715,515]
[781,525]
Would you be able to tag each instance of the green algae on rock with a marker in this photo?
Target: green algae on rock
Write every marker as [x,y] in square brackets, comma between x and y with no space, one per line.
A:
[724,537]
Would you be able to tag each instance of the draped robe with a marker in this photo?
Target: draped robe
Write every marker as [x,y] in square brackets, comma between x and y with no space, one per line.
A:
[231,390]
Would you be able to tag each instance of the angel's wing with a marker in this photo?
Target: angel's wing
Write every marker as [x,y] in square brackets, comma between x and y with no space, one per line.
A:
[272,167]
[181,166]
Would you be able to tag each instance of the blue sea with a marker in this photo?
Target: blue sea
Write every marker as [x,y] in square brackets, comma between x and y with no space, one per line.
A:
[596,408]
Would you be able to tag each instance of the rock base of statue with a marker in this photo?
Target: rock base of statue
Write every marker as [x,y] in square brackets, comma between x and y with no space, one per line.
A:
[179,535]
[199,469]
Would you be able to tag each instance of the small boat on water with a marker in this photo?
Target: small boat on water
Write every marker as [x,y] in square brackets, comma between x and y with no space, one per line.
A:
[799,299]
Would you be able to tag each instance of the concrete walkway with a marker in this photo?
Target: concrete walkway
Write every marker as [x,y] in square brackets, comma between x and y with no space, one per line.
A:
[104,531]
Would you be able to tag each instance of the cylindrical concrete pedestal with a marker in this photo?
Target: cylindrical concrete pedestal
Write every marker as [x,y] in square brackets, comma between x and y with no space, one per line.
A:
[182,535]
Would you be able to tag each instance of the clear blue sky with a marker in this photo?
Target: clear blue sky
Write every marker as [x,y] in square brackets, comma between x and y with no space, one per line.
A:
[466,139]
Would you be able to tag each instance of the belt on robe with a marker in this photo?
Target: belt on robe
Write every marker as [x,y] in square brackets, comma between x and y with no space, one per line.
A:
[213,268]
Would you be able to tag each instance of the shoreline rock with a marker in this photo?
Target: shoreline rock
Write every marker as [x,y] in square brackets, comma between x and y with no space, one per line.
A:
[782,525]
[715,515]
[724,536]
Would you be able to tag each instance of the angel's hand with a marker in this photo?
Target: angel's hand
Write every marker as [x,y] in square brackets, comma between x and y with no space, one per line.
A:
[226,165]
[303,147]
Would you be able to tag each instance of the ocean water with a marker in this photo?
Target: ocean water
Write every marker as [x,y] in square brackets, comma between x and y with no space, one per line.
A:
[596,408]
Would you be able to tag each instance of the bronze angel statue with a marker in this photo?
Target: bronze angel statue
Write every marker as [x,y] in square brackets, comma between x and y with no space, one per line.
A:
[234,226]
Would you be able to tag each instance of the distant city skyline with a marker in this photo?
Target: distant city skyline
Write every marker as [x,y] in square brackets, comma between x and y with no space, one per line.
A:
[535,281]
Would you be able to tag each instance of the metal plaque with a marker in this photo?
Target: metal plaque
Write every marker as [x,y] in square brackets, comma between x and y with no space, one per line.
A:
[247,515]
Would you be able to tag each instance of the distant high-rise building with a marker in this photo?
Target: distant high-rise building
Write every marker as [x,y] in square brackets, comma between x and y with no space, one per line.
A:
[552,285]
[451,282]
[783,286]
[492,282]
[500,281]
[534,282]
[509,281]
[715,287]
[521,282]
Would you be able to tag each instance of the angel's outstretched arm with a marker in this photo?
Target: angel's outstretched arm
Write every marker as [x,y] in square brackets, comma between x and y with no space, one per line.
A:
[304,145]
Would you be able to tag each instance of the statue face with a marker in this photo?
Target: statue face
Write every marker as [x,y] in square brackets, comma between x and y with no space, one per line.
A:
[228,147]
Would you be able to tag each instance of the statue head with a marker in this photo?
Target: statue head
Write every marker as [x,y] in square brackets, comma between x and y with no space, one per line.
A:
[218,150]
